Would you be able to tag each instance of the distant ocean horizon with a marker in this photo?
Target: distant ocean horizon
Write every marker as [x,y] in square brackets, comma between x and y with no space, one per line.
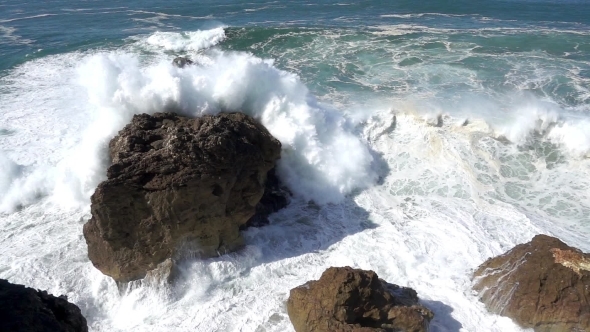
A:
[419,139]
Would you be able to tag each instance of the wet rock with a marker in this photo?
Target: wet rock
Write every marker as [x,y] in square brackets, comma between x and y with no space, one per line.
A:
[181,62]
[25,309]
[352,300]
[276,196]
[543,284]
[177,186]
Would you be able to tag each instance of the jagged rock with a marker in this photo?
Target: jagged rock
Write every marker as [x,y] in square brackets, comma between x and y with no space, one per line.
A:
[543,284]
[181,62]
[177,185]
[24,309]
[351,300]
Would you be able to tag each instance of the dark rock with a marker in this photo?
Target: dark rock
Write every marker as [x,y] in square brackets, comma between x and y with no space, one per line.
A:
[177,186]
[276,196]
[543,284]
[350,300]
[181,61]
[25,309]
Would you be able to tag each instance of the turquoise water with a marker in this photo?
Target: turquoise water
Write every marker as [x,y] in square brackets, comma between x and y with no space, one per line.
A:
[419,139]
[505,43]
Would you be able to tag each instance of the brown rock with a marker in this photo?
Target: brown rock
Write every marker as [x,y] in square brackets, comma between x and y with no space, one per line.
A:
[351,300]
[177,185]
[543,284]
[24,309]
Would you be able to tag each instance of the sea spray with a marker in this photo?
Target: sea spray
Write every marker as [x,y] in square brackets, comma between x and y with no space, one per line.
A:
[454,196]
[322,160]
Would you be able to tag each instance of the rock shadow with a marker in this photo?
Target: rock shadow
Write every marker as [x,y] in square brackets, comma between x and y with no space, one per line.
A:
[443,320]
[300,228]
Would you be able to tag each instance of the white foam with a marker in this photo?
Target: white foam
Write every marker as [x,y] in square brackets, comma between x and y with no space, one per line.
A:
[27,17]
[10,172]
[322,158]
[548,120]
[186,41]
[524,120]
[8,34]
[453,196]
[574,136]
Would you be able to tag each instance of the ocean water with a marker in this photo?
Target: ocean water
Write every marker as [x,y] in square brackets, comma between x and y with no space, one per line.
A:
[419,139]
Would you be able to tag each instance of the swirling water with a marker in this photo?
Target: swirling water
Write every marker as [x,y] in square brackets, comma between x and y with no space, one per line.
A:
[428,137]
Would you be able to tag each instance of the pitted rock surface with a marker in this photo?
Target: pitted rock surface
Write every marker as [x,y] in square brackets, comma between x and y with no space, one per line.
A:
[177,185]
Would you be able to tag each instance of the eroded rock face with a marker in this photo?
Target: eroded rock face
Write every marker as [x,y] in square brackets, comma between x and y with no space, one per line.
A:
[25,309]
[177,185]
[543,284]
[351,300]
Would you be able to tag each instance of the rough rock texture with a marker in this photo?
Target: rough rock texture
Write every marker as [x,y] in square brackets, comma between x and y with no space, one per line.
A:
[350,300]
[25,309]
[177,185]
[543,284]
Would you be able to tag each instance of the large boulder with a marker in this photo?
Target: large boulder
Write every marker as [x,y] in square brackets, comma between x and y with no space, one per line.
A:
[24,309]
[351,300]
[177,186]
[543,284]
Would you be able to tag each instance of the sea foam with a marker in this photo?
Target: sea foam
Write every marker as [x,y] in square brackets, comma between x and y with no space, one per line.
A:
[323,159]
[454,196]
[186,41]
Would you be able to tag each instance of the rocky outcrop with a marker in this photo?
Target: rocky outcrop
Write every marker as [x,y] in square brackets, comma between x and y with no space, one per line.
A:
[24,309]
[543,284]
[350,300]
[177,185]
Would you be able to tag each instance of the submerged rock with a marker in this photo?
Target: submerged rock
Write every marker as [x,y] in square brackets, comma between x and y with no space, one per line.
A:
[25,309]
[181,62]
[352,300]
[543,284]
[177,186]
